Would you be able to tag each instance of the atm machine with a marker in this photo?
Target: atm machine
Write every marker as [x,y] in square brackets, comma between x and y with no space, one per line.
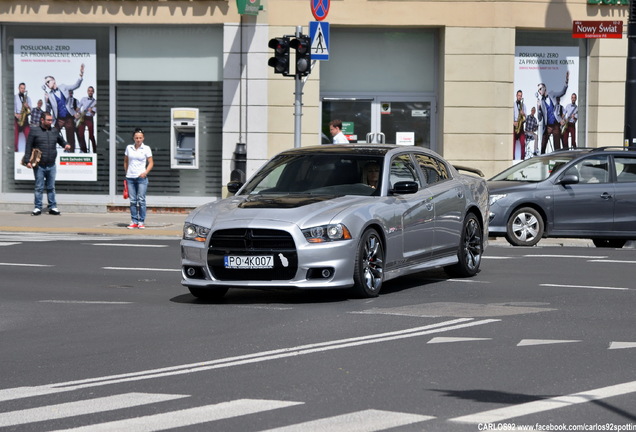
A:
[184,138]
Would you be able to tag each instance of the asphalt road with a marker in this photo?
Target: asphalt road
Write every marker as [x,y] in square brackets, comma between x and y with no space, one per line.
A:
[97,334]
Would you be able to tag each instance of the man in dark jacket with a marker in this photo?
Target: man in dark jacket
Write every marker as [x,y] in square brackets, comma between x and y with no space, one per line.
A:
[45,138]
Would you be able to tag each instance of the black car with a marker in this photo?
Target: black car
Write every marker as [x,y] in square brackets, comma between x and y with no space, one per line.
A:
[577,193]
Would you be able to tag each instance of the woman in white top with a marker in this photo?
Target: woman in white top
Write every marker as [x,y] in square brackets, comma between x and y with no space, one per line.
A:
[137,164]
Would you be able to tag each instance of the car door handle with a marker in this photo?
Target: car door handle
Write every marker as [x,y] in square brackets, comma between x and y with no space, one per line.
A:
[606,196]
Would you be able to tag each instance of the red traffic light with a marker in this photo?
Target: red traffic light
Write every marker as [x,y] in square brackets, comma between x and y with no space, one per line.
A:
[280,61]
[302,46]
[280,45]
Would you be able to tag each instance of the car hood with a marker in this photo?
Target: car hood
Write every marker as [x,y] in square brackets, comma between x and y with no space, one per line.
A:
[501,186]
[297,209]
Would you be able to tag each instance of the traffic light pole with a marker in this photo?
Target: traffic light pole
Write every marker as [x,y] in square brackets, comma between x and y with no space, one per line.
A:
[298,102]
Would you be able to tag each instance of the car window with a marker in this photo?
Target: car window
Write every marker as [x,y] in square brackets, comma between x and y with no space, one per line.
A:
[402,169]
[534,169]
[625,169]
[433,169]
[591,170]
[321,174]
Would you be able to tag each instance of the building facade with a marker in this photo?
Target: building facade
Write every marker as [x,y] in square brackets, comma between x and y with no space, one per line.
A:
[441,74]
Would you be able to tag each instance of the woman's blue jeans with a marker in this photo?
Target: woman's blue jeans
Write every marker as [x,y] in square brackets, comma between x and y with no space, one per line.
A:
[137,188]
[45,178]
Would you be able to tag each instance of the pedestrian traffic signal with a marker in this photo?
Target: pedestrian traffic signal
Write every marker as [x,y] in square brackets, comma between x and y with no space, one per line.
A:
[302,46]
[280,61]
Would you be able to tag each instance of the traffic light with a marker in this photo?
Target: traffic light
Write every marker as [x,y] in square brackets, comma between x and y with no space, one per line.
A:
[302,45]
[280,61]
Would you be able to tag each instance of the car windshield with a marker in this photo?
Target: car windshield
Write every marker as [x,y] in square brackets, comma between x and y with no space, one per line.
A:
[535,169]
[318,174]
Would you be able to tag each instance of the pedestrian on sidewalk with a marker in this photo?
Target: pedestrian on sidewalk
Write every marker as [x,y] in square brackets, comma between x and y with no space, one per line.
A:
[44,138]
[137,164]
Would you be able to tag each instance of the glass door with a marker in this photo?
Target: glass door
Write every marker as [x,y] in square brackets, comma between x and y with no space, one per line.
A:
[394,120]
[406,123]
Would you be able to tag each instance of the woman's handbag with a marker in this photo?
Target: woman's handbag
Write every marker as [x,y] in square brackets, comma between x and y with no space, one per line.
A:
[125,189]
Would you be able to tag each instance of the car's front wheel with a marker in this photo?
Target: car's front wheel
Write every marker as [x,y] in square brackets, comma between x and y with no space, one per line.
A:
[208,294]
[471,248]
[368,272]
[525,227]
[609,243]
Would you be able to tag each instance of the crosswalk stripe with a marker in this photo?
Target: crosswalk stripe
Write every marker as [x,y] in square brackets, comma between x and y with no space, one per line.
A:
[187,417]
[502,414]
[90,406]
[360,421]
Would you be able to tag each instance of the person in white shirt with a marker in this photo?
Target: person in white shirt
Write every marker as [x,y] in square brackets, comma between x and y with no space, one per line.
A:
[335,127]
[137,164]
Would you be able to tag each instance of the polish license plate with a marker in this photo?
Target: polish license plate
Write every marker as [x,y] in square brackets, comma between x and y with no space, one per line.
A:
[249,262]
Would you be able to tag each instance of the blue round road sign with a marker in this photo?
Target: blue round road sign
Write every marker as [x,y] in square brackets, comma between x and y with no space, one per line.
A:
[320,9]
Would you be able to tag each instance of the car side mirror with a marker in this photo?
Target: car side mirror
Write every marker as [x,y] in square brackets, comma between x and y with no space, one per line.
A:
[234,186]
[569,179]
[405,187]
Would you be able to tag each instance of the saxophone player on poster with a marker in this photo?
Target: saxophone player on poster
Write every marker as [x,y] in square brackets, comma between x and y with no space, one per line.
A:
[22,110]
[518,119]
[569,129]
[84,121]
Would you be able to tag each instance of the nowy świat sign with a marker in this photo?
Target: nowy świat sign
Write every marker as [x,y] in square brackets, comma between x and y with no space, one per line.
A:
[597,29]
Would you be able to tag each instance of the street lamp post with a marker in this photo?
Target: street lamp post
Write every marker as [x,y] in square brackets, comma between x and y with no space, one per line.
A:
[630,78]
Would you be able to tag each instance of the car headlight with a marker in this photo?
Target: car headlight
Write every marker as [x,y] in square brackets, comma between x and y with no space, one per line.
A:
[195,232]
[495,197]
[326,233]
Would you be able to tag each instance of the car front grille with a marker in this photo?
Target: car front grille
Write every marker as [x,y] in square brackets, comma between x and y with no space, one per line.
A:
[253,242]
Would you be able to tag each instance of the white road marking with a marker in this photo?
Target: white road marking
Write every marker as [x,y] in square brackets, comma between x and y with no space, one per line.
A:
[531,342]
[90,406]
[565,256]
[622,345]
[455,339]
[362,421]
[187,417]
[9,243]
[501,414]
[497,257]
[25,265]
[613,261]
[142,269]
[23,392]
[129,245]
[586,287]
[84,302]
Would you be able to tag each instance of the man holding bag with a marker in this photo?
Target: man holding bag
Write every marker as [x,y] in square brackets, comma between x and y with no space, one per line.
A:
[44,138]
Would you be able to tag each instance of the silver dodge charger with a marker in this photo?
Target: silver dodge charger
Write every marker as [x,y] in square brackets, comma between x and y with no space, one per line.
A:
[337,216]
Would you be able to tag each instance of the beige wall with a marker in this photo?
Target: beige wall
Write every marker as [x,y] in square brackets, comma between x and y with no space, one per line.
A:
[477,43]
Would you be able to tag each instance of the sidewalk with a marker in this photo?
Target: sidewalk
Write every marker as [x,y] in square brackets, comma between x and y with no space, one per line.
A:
[160,225]
[107,223]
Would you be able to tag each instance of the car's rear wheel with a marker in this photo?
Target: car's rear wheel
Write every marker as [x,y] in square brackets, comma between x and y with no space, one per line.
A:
[525,227]
[609,243]
[471,248]
[368,272]
[209,294]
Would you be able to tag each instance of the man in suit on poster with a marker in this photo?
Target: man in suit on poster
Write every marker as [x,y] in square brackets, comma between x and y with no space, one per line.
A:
[57,99]
[548,114]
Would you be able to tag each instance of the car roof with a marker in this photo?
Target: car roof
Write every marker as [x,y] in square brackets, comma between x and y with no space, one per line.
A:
[587,150]
[362,149]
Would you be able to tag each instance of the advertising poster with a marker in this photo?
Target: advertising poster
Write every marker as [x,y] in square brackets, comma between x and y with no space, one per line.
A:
[550,66]
[57,76]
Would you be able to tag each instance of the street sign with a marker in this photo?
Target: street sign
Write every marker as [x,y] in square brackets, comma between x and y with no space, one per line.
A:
[597,29]
[320,9]
[319,36]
